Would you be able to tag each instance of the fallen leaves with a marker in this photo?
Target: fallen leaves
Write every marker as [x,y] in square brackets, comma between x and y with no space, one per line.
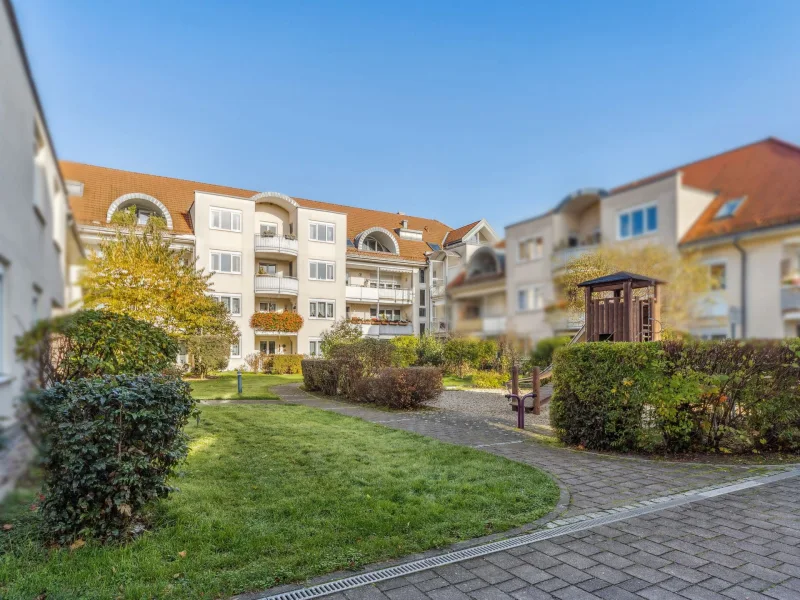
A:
[77,545]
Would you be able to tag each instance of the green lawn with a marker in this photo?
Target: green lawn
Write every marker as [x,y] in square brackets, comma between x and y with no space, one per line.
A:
[255,386]
[455,381]
[276,493]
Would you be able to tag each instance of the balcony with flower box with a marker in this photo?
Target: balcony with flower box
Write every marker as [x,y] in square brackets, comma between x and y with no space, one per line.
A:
[383,328]
[276,323]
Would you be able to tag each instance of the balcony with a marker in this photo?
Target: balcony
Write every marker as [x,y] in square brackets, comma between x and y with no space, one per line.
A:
[561,258]
[473,325]
[494,325]
[438,288]
[790,301]
[388,330]
[273,285]
[357,293]
[275,244]
[437,326]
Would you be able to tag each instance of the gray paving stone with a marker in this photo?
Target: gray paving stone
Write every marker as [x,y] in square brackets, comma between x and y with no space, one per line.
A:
[685,573]
[550,585]
[574,593]
[367,592]
[608,574]
[455,573]
[763,573]
[531,574]
[658,593]
[448,593]
[489,593]
[579,561]
[492,574]
[531,593]
[432,584]
[471,585]
[512,585]
[674,584]
[616,593]
[407,592]
[569,574]
[646,573]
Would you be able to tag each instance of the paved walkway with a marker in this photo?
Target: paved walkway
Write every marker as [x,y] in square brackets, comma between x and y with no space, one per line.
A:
[594,482]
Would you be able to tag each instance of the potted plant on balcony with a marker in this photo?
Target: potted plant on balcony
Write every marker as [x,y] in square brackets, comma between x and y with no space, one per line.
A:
[268,234]
[793,279]
[284,322]
[289,236]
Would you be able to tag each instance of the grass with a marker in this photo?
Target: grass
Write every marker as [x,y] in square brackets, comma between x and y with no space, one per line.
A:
[255,386]
[456,381]
[273,494]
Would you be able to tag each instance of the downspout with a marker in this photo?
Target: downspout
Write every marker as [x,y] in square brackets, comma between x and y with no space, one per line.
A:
[743,286]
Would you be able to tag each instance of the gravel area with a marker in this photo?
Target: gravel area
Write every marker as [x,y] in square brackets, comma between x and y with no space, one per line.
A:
[490,404]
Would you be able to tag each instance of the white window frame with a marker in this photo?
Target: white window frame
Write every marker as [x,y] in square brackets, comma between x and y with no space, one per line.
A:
[326,303]
[268,303]
[317,351]
[716,262]
[261,225]
[537,250]
[327,263]
[315,225]
[238,348]
[220,253]
[230,297]
[534,298]
[629,211]
[220,210]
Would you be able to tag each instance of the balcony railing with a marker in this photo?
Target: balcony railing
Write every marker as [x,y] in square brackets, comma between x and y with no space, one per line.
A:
[438,288]
[494,325]
[272,284]
[472,325]
[357,293]
[438,325]
[561,258]
[276,243]
[378,330]
[790,298]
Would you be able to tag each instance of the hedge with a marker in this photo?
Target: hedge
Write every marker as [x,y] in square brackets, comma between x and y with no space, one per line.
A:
[320,375]
[286,364]
[109,445]
[401,387]
[678,396]
[208,352]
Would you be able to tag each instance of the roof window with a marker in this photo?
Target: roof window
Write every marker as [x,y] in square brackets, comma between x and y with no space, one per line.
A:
[729,208]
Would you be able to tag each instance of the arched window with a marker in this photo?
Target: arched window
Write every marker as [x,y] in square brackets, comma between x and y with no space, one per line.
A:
[372,243]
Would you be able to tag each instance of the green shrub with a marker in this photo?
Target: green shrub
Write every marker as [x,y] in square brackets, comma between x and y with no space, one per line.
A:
[405,350]
[489,379]
[430,351]
[401,388]
[286,364]
[461,354]
[486,355]
[90,343]
[542,355]
[341,333]
[320,375]
[109,445]
[208,352]
[359,359]
[729,396]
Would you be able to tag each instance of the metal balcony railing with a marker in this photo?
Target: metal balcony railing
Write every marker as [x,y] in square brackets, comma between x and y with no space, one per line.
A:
[357,293]
[276,243]
[273,284]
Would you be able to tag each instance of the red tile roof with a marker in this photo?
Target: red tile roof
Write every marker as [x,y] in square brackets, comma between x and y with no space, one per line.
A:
[457,234]
[103,185]
[766,173]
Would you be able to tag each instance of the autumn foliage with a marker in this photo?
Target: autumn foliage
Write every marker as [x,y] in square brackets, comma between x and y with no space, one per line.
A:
[286,322]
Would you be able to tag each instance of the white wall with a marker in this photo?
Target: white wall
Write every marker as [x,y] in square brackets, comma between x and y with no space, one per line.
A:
[33,245]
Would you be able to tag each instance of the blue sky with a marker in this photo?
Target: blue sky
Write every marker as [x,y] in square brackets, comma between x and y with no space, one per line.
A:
[453,110]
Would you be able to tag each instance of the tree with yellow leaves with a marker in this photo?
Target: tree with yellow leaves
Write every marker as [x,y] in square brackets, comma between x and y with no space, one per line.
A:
[137,273]
[687,278]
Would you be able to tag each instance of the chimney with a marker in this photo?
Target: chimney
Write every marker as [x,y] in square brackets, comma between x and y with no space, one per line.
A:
[404,223]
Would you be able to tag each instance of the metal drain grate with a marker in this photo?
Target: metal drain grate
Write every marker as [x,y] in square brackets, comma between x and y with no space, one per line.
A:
[654,505]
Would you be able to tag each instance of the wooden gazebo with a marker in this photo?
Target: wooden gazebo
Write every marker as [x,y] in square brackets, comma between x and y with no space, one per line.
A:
[623,307]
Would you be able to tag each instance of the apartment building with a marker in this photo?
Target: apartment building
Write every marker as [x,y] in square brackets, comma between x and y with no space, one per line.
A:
[38,240]
[740,210]
[269,252]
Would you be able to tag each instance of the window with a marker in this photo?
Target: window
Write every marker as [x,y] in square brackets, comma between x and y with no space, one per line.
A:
[529,298]
[321,309]
[321,232]
[729,208]
[226,262]
[236,349]
[267,268]
[531,249]
[314,347]
[472,311]
[37,294]
[371,243]
[267,307]
[226,219]
[268,229]
[233,302]
[321,270]
[422,275]
[637,221]
[718,276]
[385,314]
[268,347]
[422,297]
[2,316]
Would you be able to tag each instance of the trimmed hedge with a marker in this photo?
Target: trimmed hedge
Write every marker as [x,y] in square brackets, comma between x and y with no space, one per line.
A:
[489,379]
[401,388]
[678,396]
[286,364]
[109,445]
[320,375]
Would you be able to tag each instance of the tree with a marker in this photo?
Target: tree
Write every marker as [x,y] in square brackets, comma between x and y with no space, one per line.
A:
[341,332]
[137,273]
[685,275]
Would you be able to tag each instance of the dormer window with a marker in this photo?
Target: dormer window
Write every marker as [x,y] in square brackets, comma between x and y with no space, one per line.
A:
[142,216]
[371,243]
[145,206]
[729,208]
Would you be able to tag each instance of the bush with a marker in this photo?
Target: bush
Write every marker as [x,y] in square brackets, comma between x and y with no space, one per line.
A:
[430,351]
[342,332]
[286,321]
[401,388]
[110,444]
[405,350]
[286,364]
[90,343]
[359,359]
[489,379]
[254,361]
[208,352]
[542,355]
[320,375]
[728,396]
[460,355]
[486,354]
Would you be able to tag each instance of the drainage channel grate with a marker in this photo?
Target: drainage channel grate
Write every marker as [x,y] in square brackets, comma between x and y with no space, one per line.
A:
[654,505]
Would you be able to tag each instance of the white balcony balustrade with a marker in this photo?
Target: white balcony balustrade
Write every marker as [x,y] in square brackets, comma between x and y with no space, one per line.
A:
[273,285]
[356,293]
[494,325]
[275,244]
